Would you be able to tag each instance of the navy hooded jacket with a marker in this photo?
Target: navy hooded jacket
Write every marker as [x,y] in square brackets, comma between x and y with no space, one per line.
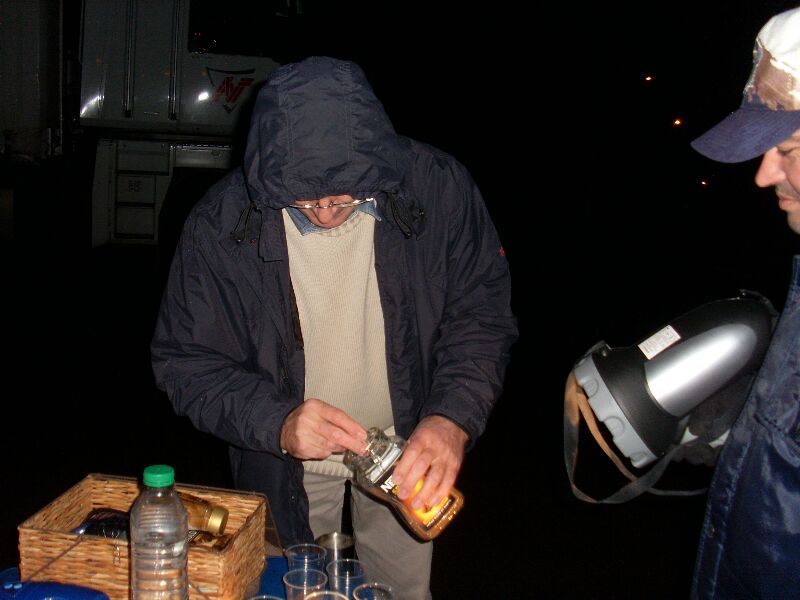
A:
[750,542]
[227,347]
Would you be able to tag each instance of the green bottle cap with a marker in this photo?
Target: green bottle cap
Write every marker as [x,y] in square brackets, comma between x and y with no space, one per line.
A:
[159,476]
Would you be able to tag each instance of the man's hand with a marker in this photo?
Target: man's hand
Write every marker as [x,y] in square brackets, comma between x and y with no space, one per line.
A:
[434,453]
[315,430]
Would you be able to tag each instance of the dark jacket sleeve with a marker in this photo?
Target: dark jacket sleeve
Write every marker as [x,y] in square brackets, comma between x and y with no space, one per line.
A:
[205,338]
[476,326]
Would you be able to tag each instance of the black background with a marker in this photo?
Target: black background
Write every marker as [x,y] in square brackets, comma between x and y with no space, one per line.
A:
[607,229]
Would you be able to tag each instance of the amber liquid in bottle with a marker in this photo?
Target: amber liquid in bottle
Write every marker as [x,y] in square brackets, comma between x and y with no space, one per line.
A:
[373,474]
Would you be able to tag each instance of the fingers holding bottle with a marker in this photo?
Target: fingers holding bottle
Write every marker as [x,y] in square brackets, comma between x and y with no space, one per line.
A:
[433,456]
[315,430]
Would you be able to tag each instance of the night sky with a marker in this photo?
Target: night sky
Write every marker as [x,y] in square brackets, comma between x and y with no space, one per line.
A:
[611,223]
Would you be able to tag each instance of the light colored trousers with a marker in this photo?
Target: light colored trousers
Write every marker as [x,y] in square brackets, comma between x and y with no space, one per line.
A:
[389,552]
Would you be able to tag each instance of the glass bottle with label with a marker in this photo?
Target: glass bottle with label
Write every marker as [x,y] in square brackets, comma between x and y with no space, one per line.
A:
[373,474]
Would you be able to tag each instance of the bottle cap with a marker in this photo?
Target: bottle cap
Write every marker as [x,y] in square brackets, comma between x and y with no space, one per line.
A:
[159,476]
[382,452]
[217,520]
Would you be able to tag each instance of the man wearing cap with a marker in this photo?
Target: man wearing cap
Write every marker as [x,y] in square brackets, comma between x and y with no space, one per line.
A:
[750,541]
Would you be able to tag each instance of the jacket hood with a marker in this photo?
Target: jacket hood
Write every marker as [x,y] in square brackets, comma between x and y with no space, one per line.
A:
[317,130]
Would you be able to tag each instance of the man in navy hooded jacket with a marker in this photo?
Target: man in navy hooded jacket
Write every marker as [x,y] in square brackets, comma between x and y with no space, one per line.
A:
[345,277]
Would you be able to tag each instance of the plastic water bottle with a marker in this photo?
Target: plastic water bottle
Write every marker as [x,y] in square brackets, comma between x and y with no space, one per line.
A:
[158,532]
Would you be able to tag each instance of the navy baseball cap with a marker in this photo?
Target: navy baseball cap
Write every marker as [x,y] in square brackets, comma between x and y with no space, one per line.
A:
[770,108]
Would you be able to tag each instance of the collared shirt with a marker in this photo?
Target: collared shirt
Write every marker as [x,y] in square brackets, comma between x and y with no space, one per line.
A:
[305,226]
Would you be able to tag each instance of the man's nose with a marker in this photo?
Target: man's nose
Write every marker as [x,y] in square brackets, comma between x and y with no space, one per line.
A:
[771,170]
[325,213]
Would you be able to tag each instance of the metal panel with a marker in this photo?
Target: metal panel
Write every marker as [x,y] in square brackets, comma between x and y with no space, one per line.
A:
[103,62]
[148,157]
[215,90]
[103,189]
[136,189]
[29,62]
[206,157]
[135,222]
[128,59]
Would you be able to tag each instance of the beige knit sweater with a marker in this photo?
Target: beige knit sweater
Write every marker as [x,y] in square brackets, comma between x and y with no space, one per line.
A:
[333,274]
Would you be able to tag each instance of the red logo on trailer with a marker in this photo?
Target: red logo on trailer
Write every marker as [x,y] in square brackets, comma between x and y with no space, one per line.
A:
[229,85]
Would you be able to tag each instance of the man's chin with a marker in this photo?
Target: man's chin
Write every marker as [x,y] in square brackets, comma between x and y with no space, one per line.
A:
[793,219]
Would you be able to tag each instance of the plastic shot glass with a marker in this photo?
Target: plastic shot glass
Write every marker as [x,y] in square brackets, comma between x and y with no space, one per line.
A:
[344,575]
[326,595]
[305,556]
[373,590]
[299,583]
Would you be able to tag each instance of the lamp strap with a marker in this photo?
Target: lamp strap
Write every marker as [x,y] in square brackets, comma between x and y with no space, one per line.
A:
[577,404]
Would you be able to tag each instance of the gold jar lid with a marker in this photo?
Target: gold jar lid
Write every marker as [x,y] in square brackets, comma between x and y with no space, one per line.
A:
[217,520]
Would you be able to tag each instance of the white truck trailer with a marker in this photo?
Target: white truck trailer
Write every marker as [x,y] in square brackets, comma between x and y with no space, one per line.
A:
[156,92]
[164,100]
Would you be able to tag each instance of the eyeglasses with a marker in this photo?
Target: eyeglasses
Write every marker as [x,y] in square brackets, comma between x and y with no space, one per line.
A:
[334,204]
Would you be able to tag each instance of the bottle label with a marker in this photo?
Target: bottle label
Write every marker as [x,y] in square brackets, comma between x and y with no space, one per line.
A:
[429,516]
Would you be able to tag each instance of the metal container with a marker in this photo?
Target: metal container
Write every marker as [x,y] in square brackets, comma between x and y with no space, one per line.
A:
[337,545]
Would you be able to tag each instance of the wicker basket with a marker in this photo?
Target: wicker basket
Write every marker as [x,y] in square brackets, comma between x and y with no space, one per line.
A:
[49,552]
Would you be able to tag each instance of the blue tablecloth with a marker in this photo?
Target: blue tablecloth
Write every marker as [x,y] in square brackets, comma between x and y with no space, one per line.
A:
[271,582]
